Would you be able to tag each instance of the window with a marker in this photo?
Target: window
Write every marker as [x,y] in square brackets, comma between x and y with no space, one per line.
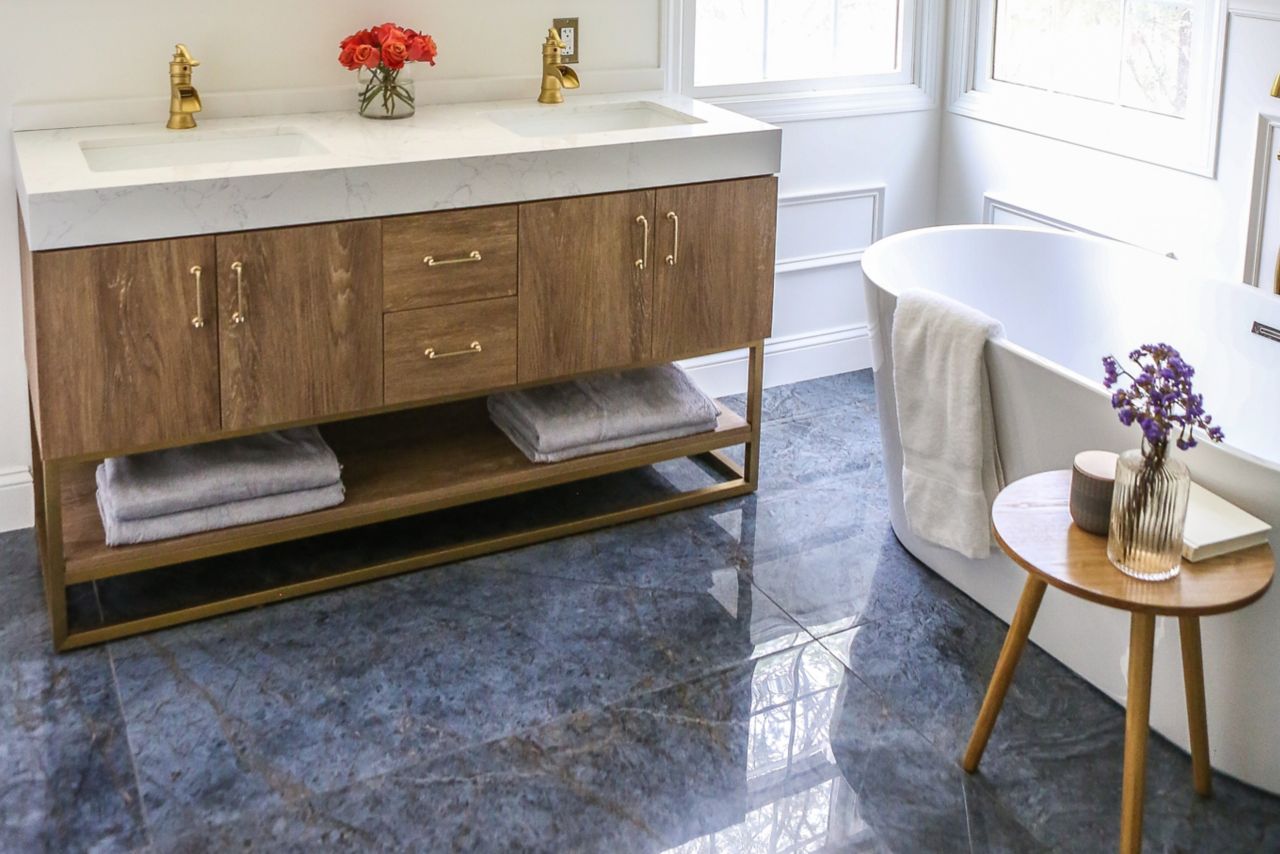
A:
[1136,77]
[770,48]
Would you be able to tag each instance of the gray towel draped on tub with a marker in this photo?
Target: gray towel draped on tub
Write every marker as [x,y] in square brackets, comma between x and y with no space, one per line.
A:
[604,412]
[180,491]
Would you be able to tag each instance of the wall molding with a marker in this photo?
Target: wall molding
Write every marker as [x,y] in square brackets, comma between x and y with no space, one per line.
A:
[17,499]
[992,203]
[875,193]
[1255,265]
[788,359]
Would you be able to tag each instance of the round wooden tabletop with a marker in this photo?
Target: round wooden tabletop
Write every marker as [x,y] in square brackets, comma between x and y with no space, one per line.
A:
[1033,525]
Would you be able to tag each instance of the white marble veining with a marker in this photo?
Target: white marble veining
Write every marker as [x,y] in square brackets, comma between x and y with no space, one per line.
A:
[443,157]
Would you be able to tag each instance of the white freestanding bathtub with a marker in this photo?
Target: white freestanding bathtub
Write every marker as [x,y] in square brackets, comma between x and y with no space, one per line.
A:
[1066,301]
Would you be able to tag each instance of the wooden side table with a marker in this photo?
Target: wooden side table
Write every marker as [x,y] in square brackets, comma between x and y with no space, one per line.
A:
[1033,526]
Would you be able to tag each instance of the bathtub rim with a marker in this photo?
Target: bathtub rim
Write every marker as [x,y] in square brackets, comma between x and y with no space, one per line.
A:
[874,278]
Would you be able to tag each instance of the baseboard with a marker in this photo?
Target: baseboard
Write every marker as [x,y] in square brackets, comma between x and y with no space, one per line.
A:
[17,499]
[788,359]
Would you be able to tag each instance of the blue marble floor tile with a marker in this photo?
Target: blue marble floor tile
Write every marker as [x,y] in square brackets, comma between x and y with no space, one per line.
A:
[66,776]
[278,705]
[787,753]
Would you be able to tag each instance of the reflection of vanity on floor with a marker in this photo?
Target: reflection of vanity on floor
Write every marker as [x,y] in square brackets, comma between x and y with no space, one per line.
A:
[211,303]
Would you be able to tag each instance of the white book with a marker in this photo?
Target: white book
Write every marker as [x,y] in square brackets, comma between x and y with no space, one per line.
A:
[1216,527]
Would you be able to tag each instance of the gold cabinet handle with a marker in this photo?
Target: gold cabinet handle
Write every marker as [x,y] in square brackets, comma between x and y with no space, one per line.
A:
[642,263]
[431,261]
[1277,281]
[475,347]
[240,315]
[674,258]
[198,320]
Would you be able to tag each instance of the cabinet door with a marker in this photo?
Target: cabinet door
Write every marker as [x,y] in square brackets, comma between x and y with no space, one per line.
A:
[127,346]
[300,322]
[585,284]
[713,287]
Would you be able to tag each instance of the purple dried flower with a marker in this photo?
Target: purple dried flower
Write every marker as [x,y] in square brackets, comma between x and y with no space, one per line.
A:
[1160,398]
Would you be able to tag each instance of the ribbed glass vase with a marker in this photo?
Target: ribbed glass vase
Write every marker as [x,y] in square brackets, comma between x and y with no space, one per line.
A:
[1148,516]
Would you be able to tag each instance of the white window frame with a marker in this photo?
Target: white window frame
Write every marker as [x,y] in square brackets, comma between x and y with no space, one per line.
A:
[914,86]
[1189,144]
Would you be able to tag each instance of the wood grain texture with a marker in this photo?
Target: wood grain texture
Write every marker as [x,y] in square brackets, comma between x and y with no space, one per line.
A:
[1010,654]
[312,343]
[117,360]
[412,376]
[584,305]
[718,294]
[1137,728]
[30,352]
[409,283]
[394,465]
[1197,714]
[1033,525]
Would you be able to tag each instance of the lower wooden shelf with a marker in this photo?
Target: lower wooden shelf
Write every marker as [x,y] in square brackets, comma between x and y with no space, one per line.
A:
[394,465]
[425,487]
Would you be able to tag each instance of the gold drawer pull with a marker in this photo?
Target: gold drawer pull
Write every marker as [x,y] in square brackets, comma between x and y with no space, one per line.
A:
[430,260]
[643,261]
[674,258]
[198,320]
[474,348]
[240,315]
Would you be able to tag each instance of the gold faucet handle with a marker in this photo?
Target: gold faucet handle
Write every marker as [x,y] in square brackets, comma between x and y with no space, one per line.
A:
[181,54]
[554,40]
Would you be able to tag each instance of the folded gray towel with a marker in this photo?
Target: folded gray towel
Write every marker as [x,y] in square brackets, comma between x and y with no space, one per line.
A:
[599,447]
[145,486]
[122,532]
[605,412]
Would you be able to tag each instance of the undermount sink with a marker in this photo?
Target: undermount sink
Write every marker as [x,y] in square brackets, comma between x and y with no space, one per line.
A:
[187,148]
[566,120]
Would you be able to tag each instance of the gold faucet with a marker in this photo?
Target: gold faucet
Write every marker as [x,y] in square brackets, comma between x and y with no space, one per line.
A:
[184,100]
[555,76]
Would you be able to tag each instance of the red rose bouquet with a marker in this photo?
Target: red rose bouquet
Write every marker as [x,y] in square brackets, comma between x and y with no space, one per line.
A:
[379,55]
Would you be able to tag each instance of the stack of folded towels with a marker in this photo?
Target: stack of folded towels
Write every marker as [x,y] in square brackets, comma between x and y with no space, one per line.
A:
[181,491]
[604,412]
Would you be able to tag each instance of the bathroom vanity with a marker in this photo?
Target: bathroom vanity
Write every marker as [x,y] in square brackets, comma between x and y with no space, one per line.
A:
[379,279]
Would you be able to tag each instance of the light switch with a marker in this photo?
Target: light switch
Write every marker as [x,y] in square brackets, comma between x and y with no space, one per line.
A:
[571,36]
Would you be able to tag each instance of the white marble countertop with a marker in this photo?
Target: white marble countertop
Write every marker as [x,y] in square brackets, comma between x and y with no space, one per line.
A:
[444,157]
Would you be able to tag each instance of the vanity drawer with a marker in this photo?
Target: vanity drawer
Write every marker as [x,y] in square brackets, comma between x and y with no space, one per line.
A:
[449,257]
[474,347]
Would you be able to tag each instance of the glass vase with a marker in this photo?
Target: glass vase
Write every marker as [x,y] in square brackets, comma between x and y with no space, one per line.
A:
[1148,516]
[382,93]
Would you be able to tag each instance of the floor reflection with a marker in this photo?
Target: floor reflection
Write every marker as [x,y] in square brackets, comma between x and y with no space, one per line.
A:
[797,798]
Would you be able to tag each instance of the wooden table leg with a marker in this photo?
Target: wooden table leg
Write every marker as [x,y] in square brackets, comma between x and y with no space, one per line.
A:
[1142,636]
[1197,718]
[1014,643]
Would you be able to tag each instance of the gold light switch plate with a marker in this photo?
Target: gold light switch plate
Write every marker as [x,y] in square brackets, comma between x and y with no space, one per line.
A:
[571,35]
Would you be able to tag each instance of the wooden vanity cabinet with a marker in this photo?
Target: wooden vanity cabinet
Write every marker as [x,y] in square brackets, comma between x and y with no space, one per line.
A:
[713,277]
[124,349]
[348,325]
[586,284]
[300,323]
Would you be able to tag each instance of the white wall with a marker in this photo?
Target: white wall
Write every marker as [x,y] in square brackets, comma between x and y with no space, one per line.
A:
[1205,221]
[109,52]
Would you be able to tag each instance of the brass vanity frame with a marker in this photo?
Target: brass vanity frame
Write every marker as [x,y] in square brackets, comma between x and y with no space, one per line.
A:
[48,477]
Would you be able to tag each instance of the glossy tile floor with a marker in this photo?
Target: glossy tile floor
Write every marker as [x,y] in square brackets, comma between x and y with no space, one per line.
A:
[773,674]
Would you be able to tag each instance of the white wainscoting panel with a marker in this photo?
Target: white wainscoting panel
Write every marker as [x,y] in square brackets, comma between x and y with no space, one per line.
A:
[823,225]
[997,211]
